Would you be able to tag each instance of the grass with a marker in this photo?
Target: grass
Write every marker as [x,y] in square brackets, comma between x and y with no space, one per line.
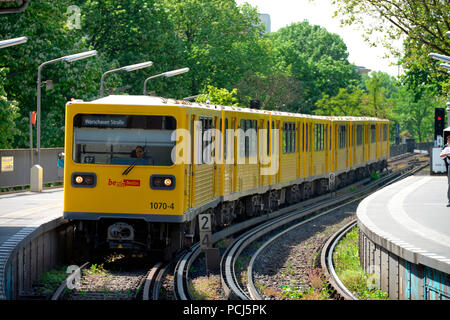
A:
[374,175]
[318,289]
[206,288]
[96,270]
[348,268]
[49,281]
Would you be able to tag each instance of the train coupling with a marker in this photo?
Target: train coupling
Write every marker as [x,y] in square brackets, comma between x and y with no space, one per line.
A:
[120,231]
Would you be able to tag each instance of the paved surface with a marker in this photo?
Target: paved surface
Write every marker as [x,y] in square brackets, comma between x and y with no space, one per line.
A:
[28,209]
[412,214]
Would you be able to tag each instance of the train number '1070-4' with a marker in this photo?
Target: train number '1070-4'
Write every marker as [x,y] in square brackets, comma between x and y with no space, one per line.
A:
[161,205]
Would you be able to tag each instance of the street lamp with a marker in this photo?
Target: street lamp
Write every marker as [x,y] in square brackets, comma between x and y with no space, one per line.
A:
[129,68]
[440,57]
[12,42]
[167,74]
[70,58]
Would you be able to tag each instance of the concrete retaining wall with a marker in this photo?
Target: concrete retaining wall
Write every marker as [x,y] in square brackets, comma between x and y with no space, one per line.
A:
[400,278]
[43,248]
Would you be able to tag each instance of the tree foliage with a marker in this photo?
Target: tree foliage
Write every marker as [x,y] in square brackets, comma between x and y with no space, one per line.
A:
[219,96]
[9,112]
[422,25]
[316,58]
[299,68]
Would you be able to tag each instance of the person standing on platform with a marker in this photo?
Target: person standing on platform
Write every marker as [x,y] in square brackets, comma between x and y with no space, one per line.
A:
[445,154]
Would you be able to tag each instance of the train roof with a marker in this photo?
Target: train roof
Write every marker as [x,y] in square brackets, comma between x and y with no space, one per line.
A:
[153,100]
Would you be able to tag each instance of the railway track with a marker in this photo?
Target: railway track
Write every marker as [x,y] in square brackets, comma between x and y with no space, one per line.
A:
[94,282]
[232,287]
[149,284]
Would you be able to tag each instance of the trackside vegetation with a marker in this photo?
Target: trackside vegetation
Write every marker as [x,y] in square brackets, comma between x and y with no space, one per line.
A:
[347,265]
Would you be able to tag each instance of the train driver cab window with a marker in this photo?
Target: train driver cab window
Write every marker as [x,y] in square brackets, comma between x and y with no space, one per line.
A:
[113,139]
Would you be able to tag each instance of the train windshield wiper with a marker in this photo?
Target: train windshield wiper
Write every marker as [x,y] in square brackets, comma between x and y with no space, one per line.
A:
[130,167]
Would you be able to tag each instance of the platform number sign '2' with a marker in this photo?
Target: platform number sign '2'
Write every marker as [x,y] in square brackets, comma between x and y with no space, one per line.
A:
[205,230]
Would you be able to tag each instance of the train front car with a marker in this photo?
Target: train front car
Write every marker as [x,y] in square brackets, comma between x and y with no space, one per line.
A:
[121,185]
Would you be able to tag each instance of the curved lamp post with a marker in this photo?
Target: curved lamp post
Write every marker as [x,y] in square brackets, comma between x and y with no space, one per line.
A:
[129,68]
[167,74]
[70,58]
[12,42]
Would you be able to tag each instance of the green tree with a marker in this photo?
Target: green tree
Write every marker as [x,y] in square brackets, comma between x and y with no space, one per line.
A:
[9,112]
[274,91]
[221,41]
[345,103]
[415,116]
[422,25]
[315,57]
[380,88]
[219,96]
[134,31]
[45,24]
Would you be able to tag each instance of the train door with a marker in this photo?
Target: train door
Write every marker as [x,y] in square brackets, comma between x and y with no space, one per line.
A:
[194,146]
[234,126]
[278,150]
[215,140]
[228,157]
[188,165]
[262,149]
[325,147]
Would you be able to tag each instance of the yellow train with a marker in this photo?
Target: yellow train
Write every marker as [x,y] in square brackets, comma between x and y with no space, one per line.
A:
[139,169]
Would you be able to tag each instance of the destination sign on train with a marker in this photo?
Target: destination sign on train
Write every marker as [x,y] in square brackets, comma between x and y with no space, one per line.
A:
[104,121]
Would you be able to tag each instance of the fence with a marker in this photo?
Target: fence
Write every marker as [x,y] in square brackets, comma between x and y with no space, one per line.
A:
[15,165]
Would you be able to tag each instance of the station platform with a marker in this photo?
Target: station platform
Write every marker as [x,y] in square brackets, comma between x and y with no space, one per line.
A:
[28,210]
[404,238]
[412,215]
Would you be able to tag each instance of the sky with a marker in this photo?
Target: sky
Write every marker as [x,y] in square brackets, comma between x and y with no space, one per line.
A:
[320,12]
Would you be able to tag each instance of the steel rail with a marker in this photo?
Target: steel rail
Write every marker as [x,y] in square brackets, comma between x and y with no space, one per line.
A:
[235,289]
[58,294]
[153,282]
[181,289]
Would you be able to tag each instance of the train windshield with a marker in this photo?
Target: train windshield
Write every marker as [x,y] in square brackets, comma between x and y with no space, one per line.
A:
[114,139]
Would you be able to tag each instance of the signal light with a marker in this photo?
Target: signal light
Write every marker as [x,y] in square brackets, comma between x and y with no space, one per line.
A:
[162,182]
[79,179]
[84,180]
[439,125]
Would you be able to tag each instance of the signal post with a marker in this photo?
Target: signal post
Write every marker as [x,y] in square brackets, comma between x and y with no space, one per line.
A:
[212,255]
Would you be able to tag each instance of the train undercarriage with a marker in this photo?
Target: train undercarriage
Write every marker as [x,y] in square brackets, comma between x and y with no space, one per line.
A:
[136,236]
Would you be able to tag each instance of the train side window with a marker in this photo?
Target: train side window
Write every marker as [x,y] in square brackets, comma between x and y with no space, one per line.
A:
[372,133]
[331,128]
[319,137]
[342,137]
[359,134]
[225,143]
[303,137]
[307,139]
[384,132]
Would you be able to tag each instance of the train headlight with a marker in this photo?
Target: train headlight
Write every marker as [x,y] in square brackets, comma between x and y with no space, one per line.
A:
[79,179]
[84,180]
[162,182]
